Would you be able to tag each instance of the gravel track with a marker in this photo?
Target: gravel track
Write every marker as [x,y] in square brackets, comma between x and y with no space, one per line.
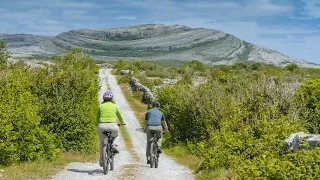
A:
[129,164]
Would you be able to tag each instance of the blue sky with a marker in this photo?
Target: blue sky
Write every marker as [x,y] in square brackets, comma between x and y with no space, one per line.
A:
[291,27]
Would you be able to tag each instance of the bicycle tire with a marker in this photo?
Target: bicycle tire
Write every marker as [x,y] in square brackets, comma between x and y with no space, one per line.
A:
[152,155]
[104,158]
[156,162]
[108,158]
[156,155]
[112,163]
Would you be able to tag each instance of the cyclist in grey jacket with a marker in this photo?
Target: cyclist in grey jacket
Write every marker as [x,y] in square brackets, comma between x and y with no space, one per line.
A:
[154,120]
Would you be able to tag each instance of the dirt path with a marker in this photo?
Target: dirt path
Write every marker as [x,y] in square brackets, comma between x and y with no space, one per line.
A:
[129,164]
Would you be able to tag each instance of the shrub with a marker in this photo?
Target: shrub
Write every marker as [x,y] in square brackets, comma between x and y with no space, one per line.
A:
[292,67]
[195,65]
[121,63]
[240,117]
[69,107]
[22,137]
[308,97]
[46,108]
[4,54]
[125,79]
[255,66]
[297,165]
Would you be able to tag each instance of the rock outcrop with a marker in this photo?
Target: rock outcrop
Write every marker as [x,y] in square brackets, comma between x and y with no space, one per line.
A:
[125,72]
[301,140]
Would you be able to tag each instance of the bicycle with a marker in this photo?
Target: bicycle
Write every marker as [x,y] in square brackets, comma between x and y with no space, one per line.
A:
[154,155]
[107,153]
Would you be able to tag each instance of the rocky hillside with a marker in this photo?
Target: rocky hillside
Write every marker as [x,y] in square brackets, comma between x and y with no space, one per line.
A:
[155,42]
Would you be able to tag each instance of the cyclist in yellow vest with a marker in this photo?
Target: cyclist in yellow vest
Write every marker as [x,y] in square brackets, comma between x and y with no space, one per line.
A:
[107,115]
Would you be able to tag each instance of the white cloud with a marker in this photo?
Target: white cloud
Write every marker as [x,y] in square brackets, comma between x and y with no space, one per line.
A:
[51,22]
[312,8]
[74,12]
[59,4]
[26,15]
[125,18]
[75,5]
[153,6]
[77,15]
[42,27]
[226,10]
[264,6]
[257,7]
[212,5]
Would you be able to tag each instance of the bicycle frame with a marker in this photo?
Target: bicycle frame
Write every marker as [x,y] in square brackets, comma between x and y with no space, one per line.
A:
[107,154]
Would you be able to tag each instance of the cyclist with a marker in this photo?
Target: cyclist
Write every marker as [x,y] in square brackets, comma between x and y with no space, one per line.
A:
[154,120]
[107,114]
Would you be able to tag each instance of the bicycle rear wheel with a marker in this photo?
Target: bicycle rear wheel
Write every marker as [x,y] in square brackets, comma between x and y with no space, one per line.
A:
[152,154]
[105,160]
[108,158]
[156,164]
[112,162]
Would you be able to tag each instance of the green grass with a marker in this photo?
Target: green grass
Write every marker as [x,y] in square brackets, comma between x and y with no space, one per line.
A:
[43,169]
[181,155]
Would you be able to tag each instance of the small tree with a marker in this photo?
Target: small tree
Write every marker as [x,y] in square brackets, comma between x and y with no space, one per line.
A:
[255,66]
[121,63]
[4,53]
[292,67]
[194,64]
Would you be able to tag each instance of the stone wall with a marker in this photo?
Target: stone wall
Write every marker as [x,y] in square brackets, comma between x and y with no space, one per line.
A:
[137,86]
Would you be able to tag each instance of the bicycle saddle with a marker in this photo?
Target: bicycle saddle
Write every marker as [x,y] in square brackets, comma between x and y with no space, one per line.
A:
[106,132]
[153,131]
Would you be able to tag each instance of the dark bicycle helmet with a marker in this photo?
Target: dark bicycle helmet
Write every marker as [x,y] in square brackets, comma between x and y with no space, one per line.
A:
[107,96]
[156,104]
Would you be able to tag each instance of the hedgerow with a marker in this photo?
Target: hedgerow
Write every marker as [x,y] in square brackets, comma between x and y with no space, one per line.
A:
[22,136]
[46,110]
[68,94]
